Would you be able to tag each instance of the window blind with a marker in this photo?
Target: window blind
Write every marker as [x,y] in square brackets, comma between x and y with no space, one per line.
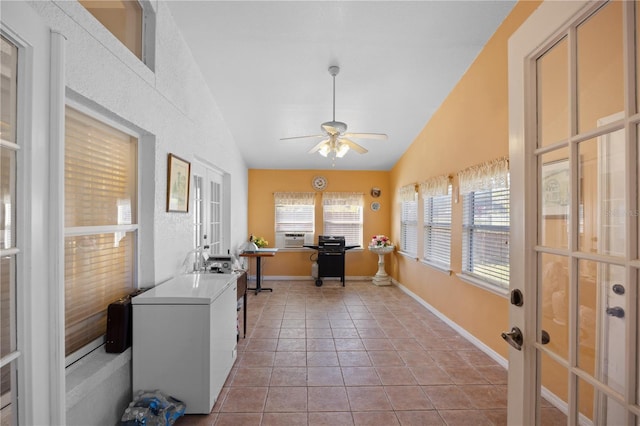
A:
[437,230]
[342,216]
[409,227]
[100,224]
[295,211]
[486,235]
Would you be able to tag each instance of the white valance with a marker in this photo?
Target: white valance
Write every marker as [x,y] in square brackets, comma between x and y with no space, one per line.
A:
[294,198]
[407,192]
[343,198]
[486,176]
[435,186]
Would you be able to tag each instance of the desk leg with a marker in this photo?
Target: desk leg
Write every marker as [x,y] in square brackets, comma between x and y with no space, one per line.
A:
[244,313]
[259,288]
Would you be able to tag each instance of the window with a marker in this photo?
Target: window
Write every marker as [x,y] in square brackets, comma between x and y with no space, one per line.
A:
[408,220]
[128,21]
[436,197]
[9,248]
[295,214]
[101,230]
[485,233]
[342,216]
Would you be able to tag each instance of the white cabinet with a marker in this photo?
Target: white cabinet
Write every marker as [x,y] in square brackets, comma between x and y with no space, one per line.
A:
[184,338]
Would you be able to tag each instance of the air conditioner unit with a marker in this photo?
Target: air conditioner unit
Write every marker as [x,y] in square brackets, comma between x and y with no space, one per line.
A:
[293,239]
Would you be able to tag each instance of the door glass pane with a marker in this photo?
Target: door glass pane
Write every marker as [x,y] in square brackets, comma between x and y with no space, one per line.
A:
[554,380]
[600,79]
[7,395]
[602,189]
[553,94]
[554,310]
[602,322]
[586,402]
[7,305]
[554,199]
[8,197]
[8,90]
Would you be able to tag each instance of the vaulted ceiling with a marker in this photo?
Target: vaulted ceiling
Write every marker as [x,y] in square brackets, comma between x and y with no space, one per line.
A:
[266,64]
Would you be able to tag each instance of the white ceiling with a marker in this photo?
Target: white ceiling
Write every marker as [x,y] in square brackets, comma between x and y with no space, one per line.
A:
[266,63]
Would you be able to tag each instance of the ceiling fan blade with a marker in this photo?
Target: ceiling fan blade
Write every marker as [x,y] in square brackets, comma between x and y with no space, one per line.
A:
[318,146]
[380,136]
[303,137]
[354,146]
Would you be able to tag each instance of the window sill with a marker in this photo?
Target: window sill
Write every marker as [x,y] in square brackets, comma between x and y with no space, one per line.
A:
[440,268]
[409,255]
[485,285]
[89,372]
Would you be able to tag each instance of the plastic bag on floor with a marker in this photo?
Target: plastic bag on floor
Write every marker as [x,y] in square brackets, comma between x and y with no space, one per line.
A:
[152,408]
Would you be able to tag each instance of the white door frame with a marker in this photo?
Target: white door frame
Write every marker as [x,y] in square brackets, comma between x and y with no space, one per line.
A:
[540,27]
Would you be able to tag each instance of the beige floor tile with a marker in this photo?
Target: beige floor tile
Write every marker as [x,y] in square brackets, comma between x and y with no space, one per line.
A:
[252,376]
[465,375]
[261,345]
[430,375]
[290,359]
[327,399]
[238,419]
[382,418]
[360,376]
[331,419]
[348,344]
[447,397]
[371,333]
[420,418]
[396,376]
[385,359]
[289,376]
[245,400]
[345,333]
[324,376]
[319,333]
[486,396]
[315,345]
[322,359]
[368,398]
[354,359]
[257,359]
[377,344]
[407,398]
[291,345]
[406,344]
[465,418]
[293,333]
[284,419]
[286,399]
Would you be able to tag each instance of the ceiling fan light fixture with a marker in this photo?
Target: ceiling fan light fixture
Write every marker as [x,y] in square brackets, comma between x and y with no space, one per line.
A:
[325,149]
[341,150]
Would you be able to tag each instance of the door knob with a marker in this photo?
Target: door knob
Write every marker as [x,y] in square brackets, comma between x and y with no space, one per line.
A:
[514,338]
[616,311]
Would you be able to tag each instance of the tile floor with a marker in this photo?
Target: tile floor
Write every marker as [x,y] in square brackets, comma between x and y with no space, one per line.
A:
[354,355]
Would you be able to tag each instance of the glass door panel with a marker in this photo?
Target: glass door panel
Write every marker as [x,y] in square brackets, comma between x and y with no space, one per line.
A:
[554,312]
[553,386]
[602,189]
[553,94]
[554,199]
[600,73]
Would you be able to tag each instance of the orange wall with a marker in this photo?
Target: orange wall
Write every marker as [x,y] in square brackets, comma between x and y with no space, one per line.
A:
[262,185]
[471,126]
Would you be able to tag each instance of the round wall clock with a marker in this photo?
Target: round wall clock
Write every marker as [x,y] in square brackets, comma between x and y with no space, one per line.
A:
[319,183]
[375,206]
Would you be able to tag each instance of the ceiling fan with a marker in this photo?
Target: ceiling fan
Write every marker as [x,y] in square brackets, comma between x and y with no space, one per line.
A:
[336,139]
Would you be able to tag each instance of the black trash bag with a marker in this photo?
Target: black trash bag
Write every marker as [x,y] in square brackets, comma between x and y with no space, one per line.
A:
[152,408]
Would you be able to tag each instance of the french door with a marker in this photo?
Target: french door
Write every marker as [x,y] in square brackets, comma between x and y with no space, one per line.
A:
[574,166]
[208,208]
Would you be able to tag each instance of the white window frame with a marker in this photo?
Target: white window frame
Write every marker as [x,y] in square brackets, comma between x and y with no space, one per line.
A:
[303,219]
[135,228]
[350,200]
[486,182]
[409,221]
[436,250]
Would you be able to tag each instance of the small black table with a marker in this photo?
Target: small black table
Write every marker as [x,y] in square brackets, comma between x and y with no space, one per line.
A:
[259,254]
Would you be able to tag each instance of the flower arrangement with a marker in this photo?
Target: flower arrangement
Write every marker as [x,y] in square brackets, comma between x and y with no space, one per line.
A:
[380,241]
[260,242]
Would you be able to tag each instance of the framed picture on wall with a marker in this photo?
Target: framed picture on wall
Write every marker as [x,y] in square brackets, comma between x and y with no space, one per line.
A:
[555,189]
[178,179]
